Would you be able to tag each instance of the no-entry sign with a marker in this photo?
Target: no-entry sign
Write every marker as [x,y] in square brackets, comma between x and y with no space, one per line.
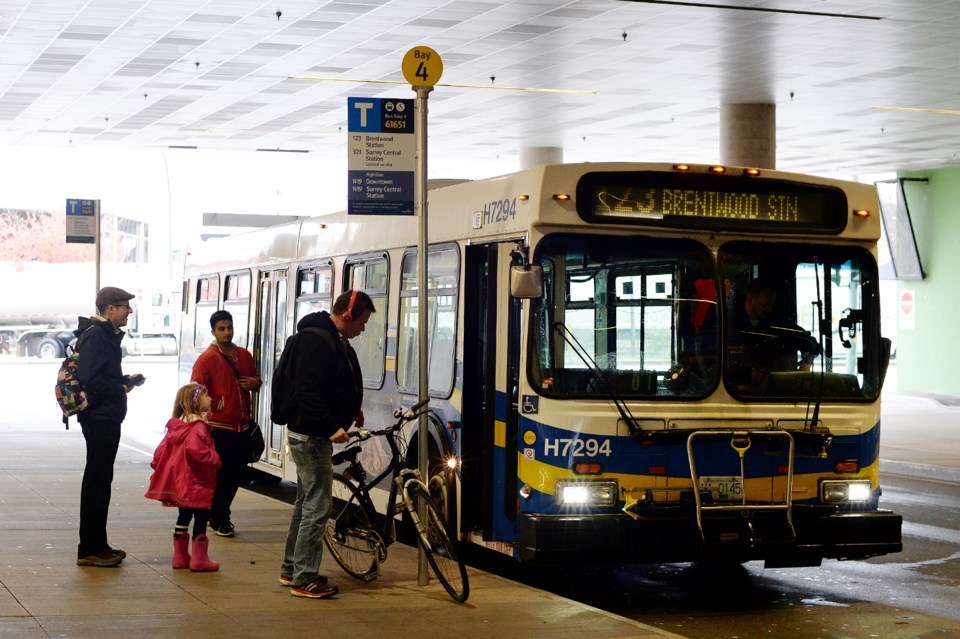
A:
[908,309]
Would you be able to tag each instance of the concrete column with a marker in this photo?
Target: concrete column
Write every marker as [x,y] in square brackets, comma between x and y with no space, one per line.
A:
[532,156]
[748,135]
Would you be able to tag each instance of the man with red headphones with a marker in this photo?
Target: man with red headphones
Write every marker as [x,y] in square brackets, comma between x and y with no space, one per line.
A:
[328,393]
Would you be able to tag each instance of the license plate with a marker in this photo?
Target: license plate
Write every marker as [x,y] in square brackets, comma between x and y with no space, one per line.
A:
[723,488]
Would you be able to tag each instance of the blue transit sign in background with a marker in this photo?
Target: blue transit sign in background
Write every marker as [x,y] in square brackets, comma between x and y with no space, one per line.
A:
[381,160]
[82,221]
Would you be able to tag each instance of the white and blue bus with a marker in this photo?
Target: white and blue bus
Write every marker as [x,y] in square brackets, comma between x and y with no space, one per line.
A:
[597,391]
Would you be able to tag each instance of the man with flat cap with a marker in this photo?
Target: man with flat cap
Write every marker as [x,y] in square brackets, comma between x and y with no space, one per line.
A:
[100,373]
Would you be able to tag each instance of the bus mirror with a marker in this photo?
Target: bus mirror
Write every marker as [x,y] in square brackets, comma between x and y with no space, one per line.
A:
[526,281]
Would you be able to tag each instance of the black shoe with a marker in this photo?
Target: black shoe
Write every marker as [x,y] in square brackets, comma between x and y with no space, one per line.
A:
[115,551]
[100,560]
[316,589]
[225,530]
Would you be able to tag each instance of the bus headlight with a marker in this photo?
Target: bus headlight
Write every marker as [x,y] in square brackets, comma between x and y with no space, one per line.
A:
[839,491]
[587,493]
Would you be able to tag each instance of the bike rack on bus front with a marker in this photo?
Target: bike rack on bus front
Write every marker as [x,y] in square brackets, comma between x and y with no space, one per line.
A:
[740,442]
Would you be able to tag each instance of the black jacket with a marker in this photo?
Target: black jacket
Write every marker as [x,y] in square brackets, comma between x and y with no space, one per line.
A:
[327,382]
[99,370]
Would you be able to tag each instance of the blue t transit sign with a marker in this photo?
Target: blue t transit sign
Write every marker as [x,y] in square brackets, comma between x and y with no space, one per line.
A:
[82,221]
[381,156]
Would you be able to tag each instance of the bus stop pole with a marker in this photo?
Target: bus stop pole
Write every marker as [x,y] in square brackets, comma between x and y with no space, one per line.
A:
[96,234]
[420,193]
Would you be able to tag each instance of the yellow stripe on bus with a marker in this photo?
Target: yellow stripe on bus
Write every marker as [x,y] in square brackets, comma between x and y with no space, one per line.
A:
[544,477]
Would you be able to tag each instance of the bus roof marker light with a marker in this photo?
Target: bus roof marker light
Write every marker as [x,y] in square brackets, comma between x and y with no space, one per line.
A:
[681,167]
[719,170]
[751,172]
[864,213]
[561,197]
[523,198]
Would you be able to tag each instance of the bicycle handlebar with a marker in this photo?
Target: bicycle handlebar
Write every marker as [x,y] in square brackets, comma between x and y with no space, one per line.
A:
[410,414]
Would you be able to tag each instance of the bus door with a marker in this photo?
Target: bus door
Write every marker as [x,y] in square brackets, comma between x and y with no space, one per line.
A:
[271,336]
[491,370]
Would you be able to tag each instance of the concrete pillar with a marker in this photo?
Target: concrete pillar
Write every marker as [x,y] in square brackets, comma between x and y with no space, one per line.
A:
[532,156]
[748,135]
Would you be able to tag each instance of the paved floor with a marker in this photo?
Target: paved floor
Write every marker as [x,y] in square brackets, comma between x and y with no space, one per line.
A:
[920,436]
[44,594]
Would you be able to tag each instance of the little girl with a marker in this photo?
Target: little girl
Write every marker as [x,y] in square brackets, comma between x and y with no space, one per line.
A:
[184,475]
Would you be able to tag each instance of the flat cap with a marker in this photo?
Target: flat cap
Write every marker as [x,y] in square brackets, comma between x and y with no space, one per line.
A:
[112,295]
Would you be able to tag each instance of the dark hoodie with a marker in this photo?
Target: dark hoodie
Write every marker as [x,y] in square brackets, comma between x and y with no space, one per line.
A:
[99,370]
[327,380]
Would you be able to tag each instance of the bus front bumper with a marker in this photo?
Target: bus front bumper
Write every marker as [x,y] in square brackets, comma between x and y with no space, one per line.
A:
[817,533]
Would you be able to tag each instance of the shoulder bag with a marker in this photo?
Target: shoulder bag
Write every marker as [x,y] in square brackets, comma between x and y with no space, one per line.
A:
[257,443]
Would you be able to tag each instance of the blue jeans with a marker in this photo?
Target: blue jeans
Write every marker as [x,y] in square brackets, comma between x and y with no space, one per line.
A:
[304,547]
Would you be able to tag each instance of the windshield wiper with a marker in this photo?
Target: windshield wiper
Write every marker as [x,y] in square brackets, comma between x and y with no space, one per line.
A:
[821,340]
[598,374]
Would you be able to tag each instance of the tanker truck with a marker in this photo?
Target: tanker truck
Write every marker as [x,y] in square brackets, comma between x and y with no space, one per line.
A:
[41,303]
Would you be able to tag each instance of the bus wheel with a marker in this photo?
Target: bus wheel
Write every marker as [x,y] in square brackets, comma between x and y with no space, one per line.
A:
[442,488]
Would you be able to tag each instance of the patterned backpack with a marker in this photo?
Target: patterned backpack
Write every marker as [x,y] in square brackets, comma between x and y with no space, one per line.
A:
[70,394]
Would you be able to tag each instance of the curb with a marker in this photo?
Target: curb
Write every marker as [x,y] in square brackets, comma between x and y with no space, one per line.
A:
[920,471]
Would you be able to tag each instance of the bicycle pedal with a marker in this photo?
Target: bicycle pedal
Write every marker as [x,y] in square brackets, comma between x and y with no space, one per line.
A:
[371,577]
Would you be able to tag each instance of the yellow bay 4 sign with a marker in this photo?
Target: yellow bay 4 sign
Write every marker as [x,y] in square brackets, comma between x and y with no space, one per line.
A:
[422,66]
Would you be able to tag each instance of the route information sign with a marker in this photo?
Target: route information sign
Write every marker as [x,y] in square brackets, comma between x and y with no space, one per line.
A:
[381,156]
[82,221]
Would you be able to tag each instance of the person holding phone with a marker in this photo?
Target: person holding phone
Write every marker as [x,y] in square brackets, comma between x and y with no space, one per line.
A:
[100,373]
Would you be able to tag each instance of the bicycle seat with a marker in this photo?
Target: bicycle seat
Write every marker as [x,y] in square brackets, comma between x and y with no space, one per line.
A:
[346,455]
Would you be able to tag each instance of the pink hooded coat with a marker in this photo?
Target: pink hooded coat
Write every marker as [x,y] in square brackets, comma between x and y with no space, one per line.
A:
[184,466]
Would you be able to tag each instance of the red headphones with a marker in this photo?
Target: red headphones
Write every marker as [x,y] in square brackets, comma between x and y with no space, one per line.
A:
[348,314]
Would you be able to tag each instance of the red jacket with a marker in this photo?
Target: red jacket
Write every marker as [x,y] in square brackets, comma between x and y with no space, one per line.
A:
[228,407]
[184,466]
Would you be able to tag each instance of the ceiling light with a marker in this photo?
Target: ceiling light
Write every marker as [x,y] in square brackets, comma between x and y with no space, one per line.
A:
[440,84]
[279,150]
[919,110]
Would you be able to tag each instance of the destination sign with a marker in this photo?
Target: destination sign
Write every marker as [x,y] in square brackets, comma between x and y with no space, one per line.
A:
[381,156]
[713,202]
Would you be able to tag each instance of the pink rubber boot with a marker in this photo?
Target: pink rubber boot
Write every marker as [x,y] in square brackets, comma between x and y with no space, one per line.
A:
[199,561]
[181,551]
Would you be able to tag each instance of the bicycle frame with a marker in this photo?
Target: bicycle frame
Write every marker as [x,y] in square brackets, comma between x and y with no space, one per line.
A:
[400,475]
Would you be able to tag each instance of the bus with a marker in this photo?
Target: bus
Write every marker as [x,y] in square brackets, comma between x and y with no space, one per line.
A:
[598,391]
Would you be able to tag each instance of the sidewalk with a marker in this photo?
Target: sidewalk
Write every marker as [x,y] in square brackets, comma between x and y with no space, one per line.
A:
[45,594]
[920,436]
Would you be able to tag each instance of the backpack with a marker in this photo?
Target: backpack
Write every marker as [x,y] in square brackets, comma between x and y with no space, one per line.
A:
[70,394]
[283,402]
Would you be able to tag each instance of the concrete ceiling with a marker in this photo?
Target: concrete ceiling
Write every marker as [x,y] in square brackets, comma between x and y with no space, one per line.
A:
[159,73]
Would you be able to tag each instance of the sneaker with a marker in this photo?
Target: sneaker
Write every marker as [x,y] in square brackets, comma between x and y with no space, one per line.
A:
[115,551]
[316,589]
[286,580]
[225,530]
[103,559]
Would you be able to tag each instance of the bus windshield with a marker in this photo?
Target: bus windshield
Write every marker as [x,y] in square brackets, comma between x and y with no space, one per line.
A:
[625,316]
[801,321]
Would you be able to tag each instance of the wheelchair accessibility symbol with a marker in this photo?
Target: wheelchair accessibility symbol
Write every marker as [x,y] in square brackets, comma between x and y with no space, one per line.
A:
[530,404]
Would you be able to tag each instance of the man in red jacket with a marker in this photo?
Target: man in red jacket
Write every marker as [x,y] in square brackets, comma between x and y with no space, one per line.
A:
[230,375]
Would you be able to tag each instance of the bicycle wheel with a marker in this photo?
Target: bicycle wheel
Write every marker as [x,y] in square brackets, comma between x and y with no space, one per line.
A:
[440,546]
[349,533]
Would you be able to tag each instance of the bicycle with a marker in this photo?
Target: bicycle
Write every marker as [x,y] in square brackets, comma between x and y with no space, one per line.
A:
[360,546]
